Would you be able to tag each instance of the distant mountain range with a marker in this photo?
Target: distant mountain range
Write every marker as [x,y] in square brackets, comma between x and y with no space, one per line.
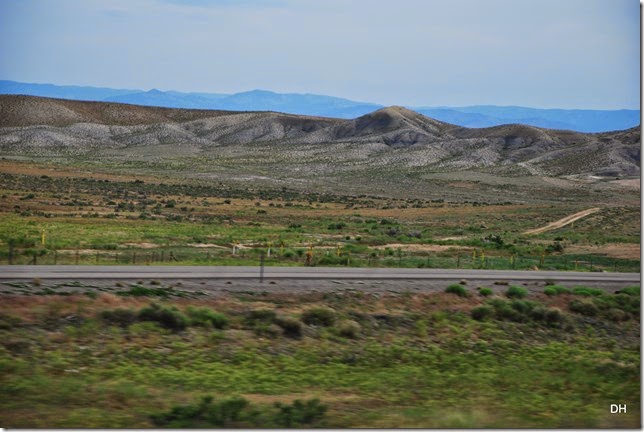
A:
[327,106]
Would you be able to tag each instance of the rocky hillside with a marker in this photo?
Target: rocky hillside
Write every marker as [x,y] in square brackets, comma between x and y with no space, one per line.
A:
[393,137]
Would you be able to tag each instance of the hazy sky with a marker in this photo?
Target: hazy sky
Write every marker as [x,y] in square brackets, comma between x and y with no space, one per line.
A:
[547,53]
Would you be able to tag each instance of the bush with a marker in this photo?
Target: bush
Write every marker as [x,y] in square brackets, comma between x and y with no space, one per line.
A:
[324,317]
[583,307]
[486,292]
[554,316]
[516,292]
[504,310]
[617,315]
[236,412]
[349,329]
[206,317]
[524,307]
[121,317]
[299,413]
[556,290]
[482,313]
[550,291]
[204,414]
[631,291]
[585,291]
[259,316]
[457,289]
[169,318]
[291,327]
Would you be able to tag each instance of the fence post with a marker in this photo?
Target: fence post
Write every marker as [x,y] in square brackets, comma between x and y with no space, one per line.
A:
[261,268]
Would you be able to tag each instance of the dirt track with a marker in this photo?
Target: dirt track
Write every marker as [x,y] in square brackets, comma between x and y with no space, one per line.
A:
[564,221]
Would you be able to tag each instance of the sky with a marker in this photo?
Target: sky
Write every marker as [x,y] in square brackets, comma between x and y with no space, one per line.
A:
[581,54]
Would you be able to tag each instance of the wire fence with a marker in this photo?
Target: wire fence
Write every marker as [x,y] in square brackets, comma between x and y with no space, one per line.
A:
[304,256]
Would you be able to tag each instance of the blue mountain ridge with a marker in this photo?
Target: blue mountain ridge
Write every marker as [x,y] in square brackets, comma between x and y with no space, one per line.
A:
[328,106]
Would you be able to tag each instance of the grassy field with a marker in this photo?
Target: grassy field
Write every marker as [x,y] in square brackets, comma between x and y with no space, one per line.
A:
[148,355]
[354,359]
[61,216]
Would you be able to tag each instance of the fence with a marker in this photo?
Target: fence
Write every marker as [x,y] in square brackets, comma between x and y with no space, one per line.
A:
[297,257]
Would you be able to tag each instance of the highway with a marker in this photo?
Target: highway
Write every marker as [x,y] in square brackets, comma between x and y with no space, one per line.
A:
[13,272]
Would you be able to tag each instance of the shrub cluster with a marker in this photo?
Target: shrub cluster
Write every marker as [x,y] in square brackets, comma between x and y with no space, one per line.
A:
[322,316]
[556,290]
[486,292]
[266,322]
[201,316]
[237,412]
[516,292]
[517,311]
[457,289]
[167,317]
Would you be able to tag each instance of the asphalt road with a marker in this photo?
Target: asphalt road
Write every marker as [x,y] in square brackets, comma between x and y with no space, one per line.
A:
[299,273]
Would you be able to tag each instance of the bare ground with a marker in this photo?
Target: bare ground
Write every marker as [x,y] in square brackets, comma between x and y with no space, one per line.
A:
[563,222]
[218,288]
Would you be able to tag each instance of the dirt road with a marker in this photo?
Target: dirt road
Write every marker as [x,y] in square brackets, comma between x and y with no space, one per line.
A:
[564,221]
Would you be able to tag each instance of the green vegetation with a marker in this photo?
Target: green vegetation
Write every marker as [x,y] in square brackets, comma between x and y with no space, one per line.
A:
[94,221]
[167,317]
[556,290]
[516,292]
[206,317]
[457,289]
[237,412]
[359,360]
[319,317]
[486,292]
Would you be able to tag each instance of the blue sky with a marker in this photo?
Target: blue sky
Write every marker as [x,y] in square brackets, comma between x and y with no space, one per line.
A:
[548,53]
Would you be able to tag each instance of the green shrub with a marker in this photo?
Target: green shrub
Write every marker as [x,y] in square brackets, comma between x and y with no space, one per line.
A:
[323,316]
[554,316]
[349,329]
[291,327]
[457,289]
[584,307]
[307,413]
[236,412]
[204,414]
[482,313]
[486,292]
[556,290]
[617,315]
[516,292]
[627,303]
[585,291]
[121,317]
[169,318]
[632,291]
[203,316]
[539,313]
[524,307]
[259,316]
[504,310]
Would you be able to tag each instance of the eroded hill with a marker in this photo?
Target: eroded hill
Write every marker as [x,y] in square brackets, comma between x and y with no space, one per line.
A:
[388,150]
